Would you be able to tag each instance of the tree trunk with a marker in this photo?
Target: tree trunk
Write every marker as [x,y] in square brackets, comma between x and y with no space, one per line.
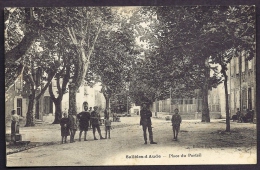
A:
[198,102]
[58,112]
[83,59]
[37,109]
[18,51]
[223,71]
[205,106]
[31,106]
[72,99]
[156,102]
[81,66]
[61,90]
[156,107]
[30,113]
[29,36]
[107,104]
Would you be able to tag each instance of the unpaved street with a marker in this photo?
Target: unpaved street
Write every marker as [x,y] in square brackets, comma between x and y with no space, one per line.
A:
[199,143]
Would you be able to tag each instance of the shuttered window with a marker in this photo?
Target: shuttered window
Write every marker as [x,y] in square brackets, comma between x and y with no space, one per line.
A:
[19,106]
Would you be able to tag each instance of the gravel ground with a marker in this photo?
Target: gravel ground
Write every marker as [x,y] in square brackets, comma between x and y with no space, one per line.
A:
[198,143]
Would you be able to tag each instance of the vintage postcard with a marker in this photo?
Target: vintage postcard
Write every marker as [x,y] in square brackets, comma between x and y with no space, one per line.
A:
[130,85]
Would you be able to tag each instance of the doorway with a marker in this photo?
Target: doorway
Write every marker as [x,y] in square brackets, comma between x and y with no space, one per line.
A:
[249,98]
[48,105]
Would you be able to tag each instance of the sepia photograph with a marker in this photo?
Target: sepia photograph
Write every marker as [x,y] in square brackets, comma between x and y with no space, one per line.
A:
[130,85]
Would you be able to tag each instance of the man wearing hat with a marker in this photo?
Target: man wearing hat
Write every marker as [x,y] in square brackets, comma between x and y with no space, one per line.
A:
[95,119]
[176,121]
[145,121]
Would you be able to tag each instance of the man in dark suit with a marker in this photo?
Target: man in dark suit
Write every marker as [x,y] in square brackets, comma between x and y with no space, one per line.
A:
[176,121]
[146,123]
[83,118]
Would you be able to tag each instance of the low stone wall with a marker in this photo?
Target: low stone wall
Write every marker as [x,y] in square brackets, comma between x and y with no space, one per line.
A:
[190,116]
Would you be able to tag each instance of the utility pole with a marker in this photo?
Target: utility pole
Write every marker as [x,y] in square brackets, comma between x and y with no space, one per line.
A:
[170,99]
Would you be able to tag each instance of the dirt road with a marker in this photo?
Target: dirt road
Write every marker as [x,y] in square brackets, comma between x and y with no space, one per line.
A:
[199,143]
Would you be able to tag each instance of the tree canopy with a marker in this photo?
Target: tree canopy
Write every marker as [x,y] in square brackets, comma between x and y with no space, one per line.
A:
[153,48]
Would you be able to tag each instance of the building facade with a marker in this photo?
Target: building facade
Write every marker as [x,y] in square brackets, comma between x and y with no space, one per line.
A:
[241,92]
[242,83]
[85,93]
[16,100]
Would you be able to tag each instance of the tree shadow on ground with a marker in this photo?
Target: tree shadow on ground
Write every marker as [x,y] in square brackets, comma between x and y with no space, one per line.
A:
[19,147]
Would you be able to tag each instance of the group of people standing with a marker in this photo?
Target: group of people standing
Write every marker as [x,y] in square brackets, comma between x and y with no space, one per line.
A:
[241,117]
[83,121]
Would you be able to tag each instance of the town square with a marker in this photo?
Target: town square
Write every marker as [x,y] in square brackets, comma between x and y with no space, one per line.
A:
[130,85]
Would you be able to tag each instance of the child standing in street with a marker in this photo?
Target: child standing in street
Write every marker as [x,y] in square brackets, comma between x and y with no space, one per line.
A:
[64,128]
[176,121]
[107,127]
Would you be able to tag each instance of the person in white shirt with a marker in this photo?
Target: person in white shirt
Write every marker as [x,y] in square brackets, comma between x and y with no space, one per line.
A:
[15,122]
